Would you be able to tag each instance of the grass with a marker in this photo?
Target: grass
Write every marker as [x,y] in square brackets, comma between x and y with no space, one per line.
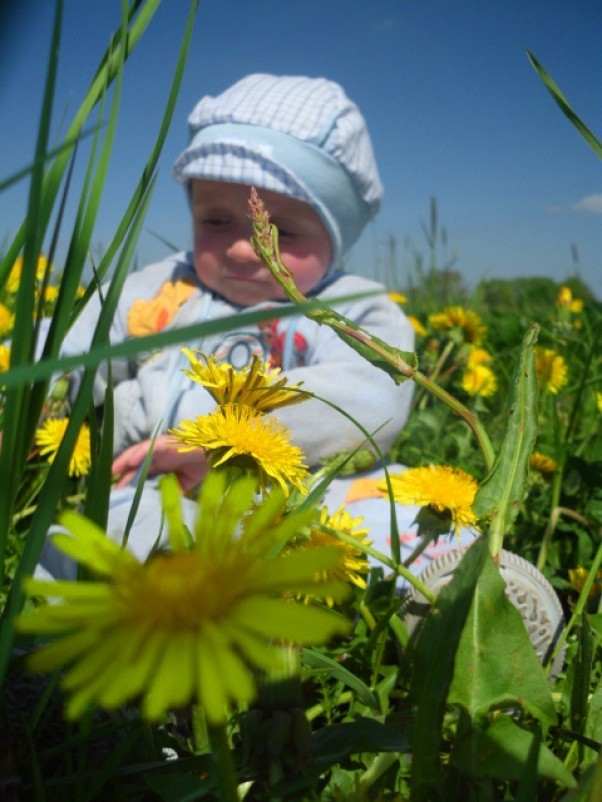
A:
[379,714]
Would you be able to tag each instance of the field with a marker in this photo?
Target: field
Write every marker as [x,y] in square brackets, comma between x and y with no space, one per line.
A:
[148,685]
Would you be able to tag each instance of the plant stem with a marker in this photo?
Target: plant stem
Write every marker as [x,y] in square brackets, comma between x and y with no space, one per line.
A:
[399,568]
[226,771]
[265,243]
[421,396]
[469,417]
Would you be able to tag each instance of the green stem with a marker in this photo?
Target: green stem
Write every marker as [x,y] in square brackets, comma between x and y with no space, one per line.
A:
[469,417]
[579,607]
[399,569]
[265,242]
[421,396]
[225,769]
[555,495]
[343,698]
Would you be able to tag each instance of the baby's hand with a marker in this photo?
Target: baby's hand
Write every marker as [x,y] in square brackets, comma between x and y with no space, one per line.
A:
[190,467]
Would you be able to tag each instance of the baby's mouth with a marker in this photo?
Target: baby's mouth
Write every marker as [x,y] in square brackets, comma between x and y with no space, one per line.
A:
[255,276]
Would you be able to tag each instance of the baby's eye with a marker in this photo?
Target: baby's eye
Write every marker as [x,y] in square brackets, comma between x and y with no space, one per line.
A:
[215,220]
[285,232]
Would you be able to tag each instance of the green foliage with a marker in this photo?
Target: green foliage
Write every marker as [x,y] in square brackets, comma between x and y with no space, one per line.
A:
[459,710]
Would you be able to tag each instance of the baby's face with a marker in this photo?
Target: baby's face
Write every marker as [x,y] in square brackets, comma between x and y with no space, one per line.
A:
[224,258]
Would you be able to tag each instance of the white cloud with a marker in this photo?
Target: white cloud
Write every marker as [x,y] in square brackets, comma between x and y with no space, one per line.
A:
[591,203]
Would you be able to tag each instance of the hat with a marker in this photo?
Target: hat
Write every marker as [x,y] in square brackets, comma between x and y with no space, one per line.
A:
[299,136]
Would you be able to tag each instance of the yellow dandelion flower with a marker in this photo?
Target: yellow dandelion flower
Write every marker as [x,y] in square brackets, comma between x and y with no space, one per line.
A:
[443,488]
[479,380]
[256,385]
[4,357]
[14,278]
[7,320]
[417,326]
[49,437]
[236,434]
[565,300]
[398,298]
[576,306]
[542,463]
[478,356]
[467,322]
[51,293]
[353,565]
[577,577]
[599,401]
[191,623]
[551,369]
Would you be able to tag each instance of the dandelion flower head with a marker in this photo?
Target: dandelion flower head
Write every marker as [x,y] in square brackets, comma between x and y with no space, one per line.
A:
[577,577]
[551,369]
[189,624]
[419,329]
[51,293]
[237,434]
[398,297]
[50,436]
[256,385]
[443,488]
[353,565]
[542,463]
[479,380]
[565,300]
[4,357]
[478,356]
[7,320]
[467,322]
[14,278]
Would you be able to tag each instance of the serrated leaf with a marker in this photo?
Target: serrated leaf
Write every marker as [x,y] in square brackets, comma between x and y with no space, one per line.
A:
[433,669]
[502,750]
[496,664]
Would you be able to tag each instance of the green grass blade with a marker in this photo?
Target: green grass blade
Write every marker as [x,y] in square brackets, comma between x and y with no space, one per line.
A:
[14,178]
[96,504]
[156,150]
[51,490]
[86,213]
[14,444]
[315,659]
[186,334]
[103,78]
[553,88]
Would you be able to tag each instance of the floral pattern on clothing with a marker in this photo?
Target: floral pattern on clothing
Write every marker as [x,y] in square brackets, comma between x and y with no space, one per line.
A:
[149,317]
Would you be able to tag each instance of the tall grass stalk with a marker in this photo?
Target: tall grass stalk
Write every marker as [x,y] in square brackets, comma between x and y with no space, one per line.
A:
[25,397]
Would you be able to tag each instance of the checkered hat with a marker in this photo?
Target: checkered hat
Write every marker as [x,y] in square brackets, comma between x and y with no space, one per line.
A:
[299,136]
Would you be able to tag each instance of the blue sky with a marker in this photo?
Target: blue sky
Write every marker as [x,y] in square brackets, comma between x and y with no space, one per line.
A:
[455,111]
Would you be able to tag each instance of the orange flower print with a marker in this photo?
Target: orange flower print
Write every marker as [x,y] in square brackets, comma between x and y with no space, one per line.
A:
[149,317]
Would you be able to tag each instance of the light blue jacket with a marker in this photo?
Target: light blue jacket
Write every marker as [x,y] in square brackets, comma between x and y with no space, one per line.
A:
[151,387]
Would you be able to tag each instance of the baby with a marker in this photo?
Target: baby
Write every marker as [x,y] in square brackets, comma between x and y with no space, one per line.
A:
[305,147]
[303,144]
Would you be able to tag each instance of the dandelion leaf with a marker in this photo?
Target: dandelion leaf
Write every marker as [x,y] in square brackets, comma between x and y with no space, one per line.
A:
[496,664]
[503,490]
[434,666]
[503,750]
[334,744]
[174,786]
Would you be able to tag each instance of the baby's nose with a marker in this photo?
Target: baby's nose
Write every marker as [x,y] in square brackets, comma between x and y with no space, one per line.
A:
[241,250]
